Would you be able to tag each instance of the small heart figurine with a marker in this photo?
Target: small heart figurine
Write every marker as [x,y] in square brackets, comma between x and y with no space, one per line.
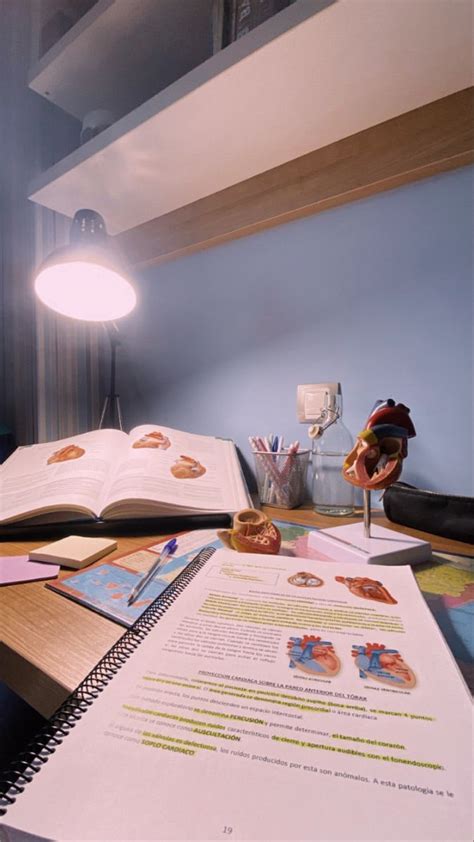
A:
[252,532]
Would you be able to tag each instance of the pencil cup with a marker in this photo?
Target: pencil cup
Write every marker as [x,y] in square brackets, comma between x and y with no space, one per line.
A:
[281,477]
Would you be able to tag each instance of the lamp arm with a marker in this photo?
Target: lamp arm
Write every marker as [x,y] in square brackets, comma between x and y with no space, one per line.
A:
[112,400]
[112,332]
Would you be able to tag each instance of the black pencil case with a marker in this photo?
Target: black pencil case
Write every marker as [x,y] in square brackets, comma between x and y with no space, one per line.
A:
[442,514]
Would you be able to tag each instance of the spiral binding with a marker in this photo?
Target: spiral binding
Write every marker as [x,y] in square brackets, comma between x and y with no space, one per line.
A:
[39,750]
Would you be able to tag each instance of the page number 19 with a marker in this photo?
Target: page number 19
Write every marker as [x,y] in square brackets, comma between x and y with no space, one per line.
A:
[227,830]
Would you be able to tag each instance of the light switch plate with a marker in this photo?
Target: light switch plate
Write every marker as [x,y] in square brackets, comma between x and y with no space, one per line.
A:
[311,398]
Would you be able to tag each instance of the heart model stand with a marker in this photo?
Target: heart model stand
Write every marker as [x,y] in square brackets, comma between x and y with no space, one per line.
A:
[375,461]
[369,544]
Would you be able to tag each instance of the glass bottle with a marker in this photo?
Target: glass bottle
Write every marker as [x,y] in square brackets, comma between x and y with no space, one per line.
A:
[332,495]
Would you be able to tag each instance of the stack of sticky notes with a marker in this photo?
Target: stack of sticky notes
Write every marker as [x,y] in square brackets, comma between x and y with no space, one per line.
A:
[44,563]
[75,551]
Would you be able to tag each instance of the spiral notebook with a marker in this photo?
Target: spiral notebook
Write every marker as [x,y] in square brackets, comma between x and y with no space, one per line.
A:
[253,700]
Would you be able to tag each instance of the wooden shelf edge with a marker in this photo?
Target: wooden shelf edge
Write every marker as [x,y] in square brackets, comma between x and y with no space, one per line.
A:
[434,138]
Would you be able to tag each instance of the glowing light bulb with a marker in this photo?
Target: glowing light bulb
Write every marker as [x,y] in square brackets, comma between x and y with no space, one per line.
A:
[85,290]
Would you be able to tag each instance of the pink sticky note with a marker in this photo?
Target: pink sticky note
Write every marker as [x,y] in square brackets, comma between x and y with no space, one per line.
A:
[16,568]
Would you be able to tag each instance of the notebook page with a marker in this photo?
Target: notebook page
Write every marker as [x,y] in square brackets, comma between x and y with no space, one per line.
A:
[255,710]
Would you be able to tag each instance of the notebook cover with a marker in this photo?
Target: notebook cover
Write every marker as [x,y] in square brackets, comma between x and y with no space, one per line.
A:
[105,587]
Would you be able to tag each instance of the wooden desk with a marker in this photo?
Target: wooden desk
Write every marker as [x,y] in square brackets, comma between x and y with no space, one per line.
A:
[48,643]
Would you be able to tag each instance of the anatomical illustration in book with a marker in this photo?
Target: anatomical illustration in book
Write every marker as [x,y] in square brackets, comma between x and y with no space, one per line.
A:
[313,656]
[186,467]
[305,580]
[71,451]
[375,661]
[367,588]
[154,439]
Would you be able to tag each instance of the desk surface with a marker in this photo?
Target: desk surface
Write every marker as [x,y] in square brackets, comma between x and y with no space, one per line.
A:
[48,643]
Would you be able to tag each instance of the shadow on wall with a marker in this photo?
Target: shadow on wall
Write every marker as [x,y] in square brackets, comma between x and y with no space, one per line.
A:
[376,294]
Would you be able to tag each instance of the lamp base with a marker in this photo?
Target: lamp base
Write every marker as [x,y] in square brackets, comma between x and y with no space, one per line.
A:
[385,546]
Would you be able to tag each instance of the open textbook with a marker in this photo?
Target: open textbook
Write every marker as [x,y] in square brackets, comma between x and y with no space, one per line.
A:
[276,699]
[151,471]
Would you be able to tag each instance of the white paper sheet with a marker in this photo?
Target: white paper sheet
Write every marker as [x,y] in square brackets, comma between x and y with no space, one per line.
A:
[231,721]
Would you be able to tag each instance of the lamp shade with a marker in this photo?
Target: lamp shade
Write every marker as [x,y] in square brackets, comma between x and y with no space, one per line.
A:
[86,280]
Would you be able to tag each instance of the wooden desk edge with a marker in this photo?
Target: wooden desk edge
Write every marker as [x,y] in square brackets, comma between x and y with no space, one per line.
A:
[40,690]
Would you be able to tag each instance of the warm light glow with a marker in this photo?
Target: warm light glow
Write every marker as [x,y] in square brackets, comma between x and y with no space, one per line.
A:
[85,291]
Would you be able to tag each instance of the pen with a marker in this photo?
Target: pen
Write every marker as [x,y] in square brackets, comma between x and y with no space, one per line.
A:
[167,550]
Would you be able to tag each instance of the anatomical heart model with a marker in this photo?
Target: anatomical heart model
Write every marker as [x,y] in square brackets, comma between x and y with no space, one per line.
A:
[376,459]
[375,462]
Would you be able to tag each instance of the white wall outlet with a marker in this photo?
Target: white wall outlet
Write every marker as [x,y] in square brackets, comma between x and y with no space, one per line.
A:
[311,400]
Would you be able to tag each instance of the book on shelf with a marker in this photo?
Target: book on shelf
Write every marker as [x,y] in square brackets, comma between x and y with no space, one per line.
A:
[232,19]
[247,14]
[153,471]
[262,698]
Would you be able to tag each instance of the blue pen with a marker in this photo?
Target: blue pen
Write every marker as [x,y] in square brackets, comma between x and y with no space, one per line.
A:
[275,445]
[167,550]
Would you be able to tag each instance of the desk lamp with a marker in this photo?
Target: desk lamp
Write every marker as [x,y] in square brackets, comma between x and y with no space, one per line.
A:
[87,280]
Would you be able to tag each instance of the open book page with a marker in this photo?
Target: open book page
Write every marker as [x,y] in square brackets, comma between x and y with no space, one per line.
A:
[277,699]
[59,476]
[182,472]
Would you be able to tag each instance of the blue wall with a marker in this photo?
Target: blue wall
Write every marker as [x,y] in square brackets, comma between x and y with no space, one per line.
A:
[376,294]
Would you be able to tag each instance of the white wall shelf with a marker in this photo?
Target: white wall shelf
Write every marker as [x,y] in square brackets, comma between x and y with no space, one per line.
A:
[304,79]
